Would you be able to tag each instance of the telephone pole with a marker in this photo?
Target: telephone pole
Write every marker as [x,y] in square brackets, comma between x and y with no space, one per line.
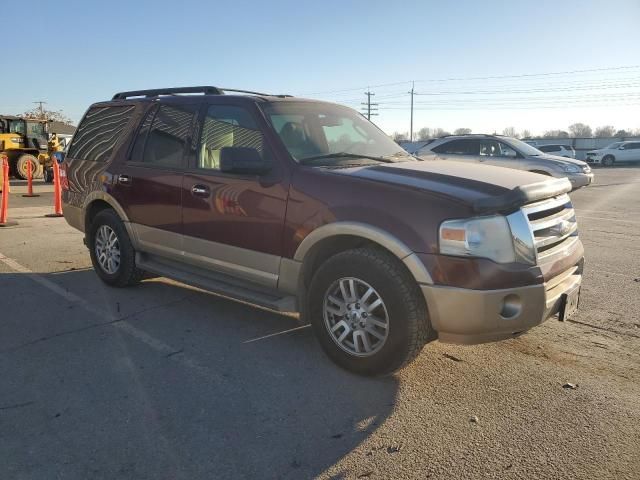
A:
[40,104]
[411,128]
[369,108]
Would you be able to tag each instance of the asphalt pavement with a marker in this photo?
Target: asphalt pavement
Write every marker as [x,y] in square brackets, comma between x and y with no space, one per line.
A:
[164,381]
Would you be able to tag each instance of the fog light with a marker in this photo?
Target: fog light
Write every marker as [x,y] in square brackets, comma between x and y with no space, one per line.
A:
[511,306]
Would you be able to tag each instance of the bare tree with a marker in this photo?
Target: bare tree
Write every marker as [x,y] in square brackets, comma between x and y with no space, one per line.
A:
[510,132]
[49,115]
[462,131]
[580,130]
[401,136]
[605,131]
[439,132]
[622,133]
[556,134]
[526,134]
[424,134]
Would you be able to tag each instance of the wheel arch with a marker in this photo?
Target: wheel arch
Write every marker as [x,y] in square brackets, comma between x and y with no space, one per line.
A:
[98,201]
[340,236]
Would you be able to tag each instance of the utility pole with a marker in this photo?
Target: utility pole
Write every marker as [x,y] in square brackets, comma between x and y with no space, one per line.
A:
[40,104]
[411,128]
[368,105]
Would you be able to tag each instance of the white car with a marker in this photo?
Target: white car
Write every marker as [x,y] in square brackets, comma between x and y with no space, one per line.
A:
[617,152]
[558,150]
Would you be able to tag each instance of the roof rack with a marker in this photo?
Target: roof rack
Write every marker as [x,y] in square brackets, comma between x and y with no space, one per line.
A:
[253,93]
[205,90]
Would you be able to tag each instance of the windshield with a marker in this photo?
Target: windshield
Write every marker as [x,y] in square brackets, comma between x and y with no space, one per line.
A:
[613,145]
[16,126]
[523,148]
[35,129]
[321,130]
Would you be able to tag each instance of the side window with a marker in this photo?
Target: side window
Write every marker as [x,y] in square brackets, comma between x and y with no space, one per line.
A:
[549,148]
[633,146]
[493,148]
[99,132]
[458,147]
[166,139]
[227,126]
[137,153]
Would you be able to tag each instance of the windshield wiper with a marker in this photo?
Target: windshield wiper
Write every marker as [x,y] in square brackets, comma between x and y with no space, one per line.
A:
[309,160]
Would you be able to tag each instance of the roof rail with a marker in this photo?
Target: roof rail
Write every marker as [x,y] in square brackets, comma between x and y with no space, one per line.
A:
[205,90]
[253,93]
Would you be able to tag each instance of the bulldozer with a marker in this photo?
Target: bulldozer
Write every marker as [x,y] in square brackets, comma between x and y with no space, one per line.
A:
[25,140]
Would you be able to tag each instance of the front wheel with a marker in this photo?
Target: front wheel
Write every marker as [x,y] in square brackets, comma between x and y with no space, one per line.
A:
[368,312]
[608,161]
[22,166]
[112,253]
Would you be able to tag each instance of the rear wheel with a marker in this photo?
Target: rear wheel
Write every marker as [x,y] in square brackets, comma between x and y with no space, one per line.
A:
[22,165]
[608,161]
[368,312]
[112,253]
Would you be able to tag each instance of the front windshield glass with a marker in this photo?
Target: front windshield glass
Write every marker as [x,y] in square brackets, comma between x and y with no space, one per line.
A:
[614,145]
[321,129]
[523,148]
[35,128]
[16,126]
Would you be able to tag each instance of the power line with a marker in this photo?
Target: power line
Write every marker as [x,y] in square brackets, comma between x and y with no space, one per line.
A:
[526,75]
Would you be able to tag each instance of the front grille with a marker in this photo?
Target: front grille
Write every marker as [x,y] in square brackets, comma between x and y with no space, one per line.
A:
[553,225]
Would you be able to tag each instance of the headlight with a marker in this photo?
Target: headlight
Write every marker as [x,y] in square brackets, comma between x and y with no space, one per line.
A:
[571,168]
[488,237]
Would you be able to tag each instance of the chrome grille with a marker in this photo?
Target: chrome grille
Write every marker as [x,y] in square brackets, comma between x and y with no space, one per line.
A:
[553,225]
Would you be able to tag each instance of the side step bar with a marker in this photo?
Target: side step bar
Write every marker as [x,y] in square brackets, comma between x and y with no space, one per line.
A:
[218,283]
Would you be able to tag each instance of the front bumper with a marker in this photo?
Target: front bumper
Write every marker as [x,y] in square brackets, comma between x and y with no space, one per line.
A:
[581,180]
[467,316]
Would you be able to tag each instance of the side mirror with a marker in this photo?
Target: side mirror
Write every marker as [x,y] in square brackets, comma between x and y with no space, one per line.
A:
[58,156]
[243,160]
[621,147]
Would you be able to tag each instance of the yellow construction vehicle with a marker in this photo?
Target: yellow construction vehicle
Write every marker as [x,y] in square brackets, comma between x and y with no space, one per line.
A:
[24,140]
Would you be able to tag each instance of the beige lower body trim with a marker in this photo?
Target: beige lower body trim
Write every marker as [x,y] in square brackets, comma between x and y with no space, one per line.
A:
[257,267]
[476,316]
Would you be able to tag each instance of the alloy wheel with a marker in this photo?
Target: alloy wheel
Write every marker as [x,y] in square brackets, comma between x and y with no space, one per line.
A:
[356,317]
[107,249]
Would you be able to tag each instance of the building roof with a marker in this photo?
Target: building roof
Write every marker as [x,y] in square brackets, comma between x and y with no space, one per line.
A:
[61,128]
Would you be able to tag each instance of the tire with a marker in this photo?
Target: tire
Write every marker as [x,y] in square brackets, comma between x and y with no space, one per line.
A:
[22,165]
[408,326]
[608,160]
[125,273]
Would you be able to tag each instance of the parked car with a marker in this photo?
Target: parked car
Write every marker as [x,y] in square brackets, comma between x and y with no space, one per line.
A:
[617,152]
[507,152]
[305,206]
[565,151]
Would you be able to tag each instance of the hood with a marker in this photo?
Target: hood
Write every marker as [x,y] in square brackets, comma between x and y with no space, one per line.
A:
[561,160]
[474,184]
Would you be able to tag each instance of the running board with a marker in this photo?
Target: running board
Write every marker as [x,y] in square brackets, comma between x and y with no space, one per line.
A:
[219,283]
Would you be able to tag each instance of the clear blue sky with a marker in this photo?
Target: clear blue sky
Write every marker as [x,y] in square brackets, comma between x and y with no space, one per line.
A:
[79,52]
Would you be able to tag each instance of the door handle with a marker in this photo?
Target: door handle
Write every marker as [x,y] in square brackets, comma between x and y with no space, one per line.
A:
[200,191]
[124,179]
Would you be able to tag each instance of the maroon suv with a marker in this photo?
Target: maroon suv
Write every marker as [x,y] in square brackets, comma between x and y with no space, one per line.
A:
[300,205]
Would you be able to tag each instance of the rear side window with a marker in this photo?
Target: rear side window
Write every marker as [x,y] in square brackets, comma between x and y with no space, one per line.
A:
[459,147]
[165,142]
[99,132]
[549,148]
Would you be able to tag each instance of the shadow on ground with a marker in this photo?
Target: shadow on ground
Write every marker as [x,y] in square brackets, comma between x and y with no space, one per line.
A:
[173,391]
